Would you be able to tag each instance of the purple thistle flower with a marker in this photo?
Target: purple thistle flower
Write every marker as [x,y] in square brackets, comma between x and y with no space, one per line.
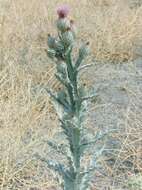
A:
[63,11]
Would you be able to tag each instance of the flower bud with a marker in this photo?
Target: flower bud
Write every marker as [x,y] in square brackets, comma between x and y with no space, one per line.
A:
[59,46]
[61,68]
[84,50]
[63,24]
[51,41]
[51,53]
[68,38]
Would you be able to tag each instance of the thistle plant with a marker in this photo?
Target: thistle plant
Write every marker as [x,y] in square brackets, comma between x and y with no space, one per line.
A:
[71,104]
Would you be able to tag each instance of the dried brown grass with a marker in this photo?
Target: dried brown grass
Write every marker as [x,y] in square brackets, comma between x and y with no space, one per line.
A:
[113,27]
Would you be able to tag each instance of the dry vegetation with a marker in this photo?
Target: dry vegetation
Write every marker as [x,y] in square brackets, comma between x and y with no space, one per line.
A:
[114,30]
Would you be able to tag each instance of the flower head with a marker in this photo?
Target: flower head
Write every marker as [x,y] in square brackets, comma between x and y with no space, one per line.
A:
[63,11]
[68,37]
[63,24]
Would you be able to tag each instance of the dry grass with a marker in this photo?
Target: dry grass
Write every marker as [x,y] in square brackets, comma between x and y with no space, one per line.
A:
[113,28]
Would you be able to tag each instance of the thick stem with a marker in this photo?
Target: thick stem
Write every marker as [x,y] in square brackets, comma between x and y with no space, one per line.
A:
[75,100]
